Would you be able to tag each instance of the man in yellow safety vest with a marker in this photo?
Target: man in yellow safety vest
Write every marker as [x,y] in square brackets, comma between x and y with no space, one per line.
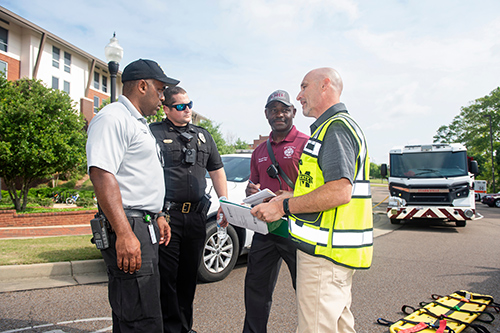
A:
[329,212]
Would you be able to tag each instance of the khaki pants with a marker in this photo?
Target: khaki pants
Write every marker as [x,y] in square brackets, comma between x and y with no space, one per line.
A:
[323,296]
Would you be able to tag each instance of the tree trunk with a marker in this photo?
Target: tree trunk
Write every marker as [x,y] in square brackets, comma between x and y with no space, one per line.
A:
[24,191]
[11,187]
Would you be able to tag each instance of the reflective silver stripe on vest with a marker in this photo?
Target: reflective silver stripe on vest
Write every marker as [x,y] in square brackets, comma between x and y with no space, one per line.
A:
[361,190]
[348,239]
[315,149]
[339,238]
[315,235]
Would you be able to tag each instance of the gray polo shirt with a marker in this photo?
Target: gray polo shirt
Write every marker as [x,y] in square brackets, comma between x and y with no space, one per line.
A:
[337,157]
[120,142]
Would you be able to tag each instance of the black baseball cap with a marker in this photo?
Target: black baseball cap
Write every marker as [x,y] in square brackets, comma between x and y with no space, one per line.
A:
[143,69]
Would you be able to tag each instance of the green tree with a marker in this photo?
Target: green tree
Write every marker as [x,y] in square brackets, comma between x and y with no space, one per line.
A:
[40,134]
[214,130]
[375,170]
[240,144]
[471,128]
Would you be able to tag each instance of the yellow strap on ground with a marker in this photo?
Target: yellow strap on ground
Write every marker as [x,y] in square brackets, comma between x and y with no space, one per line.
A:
[387,197]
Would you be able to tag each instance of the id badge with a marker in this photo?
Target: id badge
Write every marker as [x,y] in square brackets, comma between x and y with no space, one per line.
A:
[152,233]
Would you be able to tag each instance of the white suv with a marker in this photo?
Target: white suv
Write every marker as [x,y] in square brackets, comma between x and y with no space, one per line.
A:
[219,259]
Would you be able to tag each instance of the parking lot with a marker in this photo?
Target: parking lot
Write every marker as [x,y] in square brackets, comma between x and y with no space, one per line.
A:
[411,262]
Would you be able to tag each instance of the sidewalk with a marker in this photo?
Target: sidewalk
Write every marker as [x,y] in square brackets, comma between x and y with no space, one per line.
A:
[50,275]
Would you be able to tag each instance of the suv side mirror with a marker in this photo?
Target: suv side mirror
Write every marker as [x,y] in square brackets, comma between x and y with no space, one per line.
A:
[383,170]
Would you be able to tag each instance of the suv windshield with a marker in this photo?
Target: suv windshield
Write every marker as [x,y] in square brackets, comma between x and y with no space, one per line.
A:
[429,165]
[237,168]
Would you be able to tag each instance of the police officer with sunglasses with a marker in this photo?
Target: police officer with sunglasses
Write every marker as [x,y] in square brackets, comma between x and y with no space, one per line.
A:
[188,152]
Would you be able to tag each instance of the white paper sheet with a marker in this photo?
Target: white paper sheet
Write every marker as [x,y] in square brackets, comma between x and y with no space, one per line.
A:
[259,197]
[240,216]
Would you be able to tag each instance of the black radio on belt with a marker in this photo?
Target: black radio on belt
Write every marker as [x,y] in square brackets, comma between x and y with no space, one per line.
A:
[189,152]
[99,226]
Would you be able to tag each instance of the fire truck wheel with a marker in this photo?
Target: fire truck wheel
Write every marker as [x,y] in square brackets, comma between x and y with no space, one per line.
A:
[460,223]
[395,221]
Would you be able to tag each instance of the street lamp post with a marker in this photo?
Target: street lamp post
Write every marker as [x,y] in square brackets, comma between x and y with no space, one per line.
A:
[114,54]
[492,159]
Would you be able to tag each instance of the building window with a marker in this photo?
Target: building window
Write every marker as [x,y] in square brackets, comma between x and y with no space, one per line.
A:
[67,62]
[3,68]
[104,83]
[55,56]
[96,80]
[4,34]
[55,82]
[66,87]
[96,103]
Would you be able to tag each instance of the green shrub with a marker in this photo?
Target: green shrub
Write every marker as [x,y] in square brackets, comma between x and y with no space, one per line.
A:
[44,202]
[6,202]
[86,202]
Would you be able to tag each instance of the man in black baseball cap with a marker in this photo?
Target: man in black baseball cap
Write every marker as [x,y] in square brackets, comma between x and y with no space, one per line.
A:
[127,175]
[146,69]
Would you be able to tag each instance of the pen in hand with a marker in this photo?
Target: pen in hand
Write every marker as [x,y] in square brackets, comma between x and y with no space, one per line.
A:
[251,182]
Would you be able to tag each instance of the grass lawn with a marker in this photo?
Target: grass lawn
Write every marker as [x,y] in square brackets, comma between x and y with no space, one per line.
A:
[48,249]
[378,182]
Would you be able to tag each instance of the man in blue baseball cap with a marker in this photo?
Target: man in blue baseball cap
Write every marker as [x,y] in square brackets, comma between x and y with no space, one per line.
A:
[127,174]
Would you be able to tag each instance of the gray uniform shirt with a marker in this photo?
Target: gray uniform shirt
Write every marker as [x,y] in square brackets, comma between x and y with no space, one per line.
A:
[337,157]
[120,142]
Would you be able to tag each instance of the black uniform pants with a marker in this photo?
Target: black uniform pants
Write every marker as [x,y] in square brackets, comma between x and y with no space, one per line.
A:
[179,262]
[264,263]
[135,298]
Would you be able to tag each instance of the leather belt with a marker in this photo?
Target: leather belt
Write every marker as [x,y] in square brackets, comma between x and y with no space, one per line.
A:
[183,207]
[138,213]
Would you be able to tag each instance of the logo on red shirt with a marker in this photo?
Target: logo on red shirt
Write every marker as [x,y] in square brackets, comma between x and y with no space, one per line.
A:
[289,151]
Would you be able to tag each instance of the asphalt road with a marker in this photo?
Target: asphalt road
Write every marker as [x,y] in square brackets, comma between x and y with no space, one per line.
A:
[411,262]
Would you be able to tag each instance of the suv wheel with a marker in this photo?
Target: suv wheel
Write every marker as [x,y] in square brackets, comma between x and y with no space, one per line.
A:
[497,203]
[218,259]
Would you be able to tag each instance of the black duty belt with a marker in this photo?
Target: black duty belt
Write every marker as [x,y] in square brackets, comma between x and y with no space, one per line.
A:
[183,207]
[138,213]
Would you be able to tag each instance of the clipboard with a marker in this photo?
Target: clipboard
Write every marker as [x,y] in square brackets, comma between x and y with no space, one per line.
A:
[240,216]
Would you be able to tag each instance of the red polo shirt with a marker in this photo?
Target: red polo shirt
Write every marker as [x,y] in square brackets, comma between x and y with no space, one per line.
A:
[287,154]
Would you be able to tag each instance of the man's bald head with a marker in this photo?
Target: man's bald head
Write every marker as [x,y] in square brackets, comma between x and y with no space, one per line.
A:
[320,89]
[331,77]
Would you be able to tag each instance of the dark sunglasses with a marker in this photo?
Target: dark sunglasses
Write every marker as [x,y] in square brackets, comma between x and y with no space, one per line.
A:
[182,107]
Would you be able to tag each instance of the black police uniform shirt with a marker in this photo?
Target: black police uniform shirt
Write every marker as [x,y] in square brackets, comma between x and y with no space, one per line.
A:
[185,181]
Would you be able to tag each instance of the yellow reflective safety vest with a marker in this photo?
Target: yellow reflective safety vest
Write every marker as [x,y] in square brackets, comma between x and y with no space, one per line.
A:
[342,234]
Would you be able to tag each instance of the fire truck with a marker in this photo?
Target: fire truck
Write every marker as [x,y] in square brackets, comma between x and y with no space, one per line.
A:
[433,181]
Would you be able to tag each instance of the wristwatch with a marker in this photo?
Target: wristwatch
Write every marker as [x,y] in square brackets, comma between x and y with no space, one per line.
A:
[285,207]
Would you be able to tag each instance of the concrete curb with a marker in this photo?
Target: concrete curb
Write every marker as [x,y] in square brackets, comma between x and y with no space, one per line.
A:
[59,274]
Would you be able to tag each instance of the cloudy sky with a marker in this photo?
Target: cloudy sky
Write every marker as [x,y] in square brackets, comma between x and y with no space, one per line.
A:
[407,66]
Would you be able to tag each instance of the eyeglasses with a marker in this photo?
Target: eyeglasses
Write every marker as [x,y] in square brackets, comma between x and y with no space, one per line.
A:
[182,107]
[158,90]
